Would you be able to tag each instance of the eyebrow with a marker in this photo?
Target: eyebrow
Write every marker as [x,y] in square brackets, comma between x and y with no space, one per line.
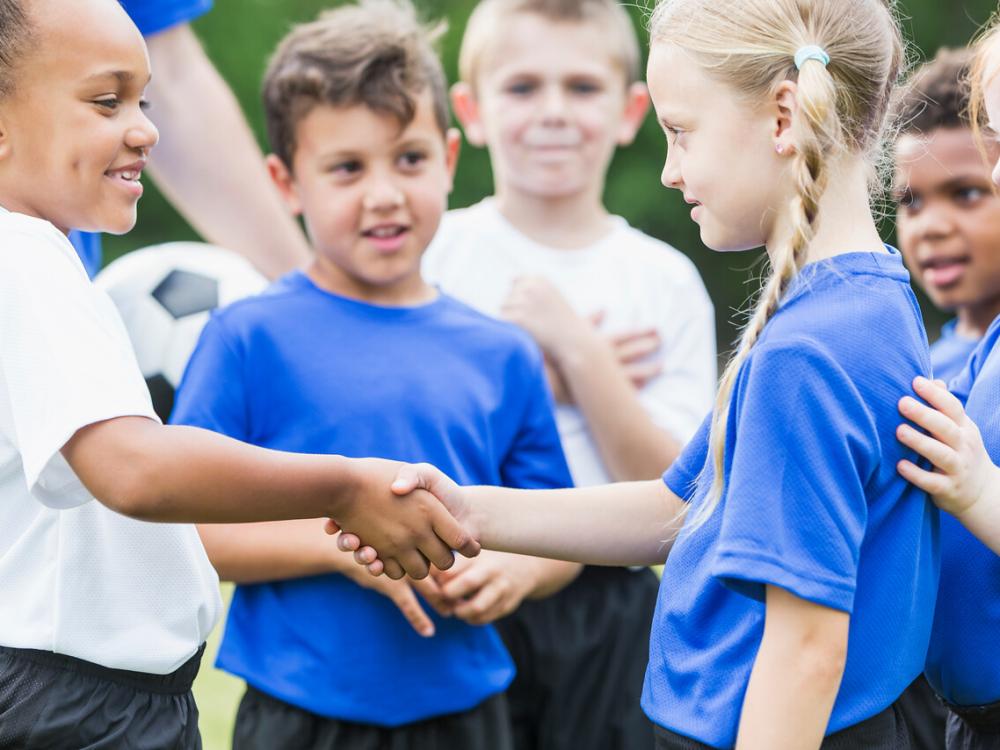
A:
[123,77]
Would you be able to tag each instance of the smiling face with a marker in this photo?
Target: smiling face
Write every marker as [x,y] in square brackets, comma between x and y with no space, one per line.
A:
[948,217]
[372,196]
[551,103]
[720,152]
[73,135]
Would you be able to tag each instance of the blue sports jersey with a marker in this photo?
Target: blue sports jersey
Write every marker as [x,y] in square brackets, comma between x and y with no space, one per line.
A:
[151,16]
[950,352]
[812,503]
[303,370]
[963,663]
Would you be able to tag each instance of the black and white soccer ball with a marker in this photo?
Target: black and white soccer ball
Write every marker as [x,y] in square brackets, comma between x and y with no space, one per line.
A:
[165,294]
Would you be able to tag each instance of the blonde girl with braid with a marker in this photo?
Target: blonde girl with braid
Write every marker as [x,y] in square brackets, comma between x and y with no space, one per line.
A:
[796,599]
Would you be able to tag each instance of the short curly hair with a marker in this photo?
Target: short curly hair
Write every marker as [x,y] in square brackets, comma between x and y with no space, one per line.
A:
[375,53]
[937,94]
[15,37]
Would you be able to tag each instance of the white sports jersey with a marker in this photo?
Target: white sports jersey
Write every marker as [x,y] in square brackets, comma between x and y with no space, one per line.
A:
[75,577]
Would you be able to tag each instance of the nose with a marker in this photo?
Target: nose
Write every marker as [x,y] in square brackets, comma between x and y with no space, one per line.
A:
[934,221]
[142,134]
[554,104]
[382,194]
[670,177]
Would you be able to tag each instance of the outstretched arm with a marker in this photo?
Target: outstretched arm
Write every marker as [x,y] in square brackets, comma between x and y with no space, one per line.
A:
[630,523]
[209,164]
[183,474]
[965,482]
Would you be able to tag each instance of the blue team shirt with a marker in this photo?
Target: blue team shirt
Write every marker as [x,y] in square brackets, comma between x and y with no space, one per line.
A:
[151,16]
[950,352]
[303,370]
[812,503]
[963,663]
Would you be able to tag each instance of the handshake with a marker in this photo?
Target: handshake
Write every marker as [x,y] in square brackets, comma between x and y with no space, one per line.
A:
[407,516]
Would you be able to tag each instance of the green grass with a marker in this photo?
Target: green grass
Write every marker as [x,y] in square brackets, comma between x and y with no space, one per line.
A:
[217,693]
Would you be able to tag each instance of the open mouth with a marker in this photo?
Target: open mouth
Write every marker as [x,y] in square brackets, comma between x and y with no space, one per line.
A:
[387,232]
[944,272]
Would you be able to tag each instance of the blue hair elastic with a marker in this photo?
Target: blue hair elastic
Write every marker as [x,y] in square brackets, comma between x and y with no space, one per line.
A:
[811,52]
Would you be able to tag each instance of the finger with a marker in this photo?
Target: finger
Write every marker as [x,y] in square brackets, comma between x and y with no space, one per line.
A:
[376,568]
[484,607]
[930,482]
[467,584]
[429,589]
[365,556]
[414,563]
[407,479]
[596,318]
[331,527]
[933,450]
[407,603]
[624,337]
[348,542]
[642,372]
[637,348]
[436,552]
[940,398]
[453,534]
[393,569]
[935,422]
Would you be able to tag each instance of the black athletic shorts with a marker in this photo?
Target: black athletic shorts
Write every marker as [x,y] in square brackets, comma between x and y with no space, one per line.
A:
[53,702]
[884,731]
[266,723]
[974,727]
[925,715]
[581,658]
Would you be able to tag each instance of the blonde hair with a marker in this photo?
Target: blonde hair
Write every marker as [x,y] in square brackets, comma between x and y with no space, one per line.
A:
[985,51]
[491,15]
[750,45]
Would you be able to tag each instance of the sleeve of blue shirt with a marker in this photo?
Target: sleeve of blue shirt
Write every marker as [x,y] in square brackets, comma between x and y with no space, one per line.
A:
[536,459]
[152,16]
[682,476]
[961,384]
[795,508]
[212,392]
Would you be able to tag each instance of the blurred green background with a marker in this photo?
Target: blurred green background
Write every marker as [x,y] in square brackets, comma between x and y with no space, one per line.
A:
[239,35]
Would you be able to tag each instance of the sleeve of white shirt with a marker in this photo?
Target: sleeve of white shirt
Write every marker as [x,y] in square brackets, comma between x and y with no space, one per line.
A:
[678,399]
[65,359]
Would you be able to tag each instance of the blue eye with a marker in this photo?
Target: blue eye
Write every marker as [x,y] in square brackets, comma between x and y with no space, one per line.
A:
[585,87]
[969,194]
[111,103]
[907,200]
[522,88]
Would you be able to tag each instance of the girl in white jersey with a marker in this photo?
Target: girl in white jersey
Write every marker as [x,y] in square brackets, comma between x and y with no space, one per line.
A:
[102,616]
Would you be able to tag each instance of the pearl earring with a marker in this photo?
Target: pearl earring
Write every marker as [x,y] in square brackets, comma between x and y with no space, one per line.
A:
[780,148]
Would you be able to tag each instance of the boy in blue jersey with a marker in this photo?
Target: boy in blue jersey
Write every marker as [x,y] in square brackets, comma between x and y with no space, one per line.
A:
[359,355]
[948,215]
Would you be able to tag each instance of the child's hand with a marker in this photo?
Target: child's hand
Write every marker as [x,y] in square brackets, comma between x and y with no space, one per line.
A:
[953,444]
[413,481]
[633,350]
[403,595]
[536,305]
[489,587]
[408,532]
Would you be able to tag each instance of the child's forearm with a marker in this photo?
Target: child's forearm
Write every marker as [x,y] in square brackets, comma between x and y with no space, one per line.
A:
[622,524]
[631,445]
[796,675]
[272,551]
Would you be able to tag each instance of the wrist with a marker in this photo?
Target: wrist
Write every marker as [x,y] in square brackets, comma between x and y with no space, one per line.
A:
[345,483]
[577,347]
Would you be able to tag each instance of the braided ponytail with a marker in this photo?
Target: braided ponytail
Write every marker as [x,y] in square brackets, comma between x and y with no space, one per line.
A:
[841,107]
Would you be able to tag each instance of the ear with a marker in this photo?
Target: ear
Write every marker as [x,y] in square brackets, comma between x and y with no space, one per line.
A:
[466,106]
[784,109]
[284,181]
[5,144]
[636,108]
[452,146]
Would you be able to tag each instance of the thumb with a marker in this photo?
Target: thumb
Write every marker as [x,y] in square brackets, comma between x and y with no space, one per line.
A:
[409,478]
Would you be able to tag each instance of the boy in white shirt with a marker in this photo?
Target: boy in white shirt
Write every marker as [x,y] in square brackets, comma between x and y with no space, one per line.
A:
[103,616]
[551,87]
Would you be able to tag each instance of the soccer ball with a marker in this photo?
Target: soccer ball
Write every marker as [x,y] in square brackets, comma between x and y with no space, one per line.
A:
[165,294]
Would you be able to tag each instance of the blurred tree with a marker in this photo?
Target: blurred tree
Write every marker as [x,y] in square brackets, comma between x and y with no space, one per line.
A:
[240,34]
